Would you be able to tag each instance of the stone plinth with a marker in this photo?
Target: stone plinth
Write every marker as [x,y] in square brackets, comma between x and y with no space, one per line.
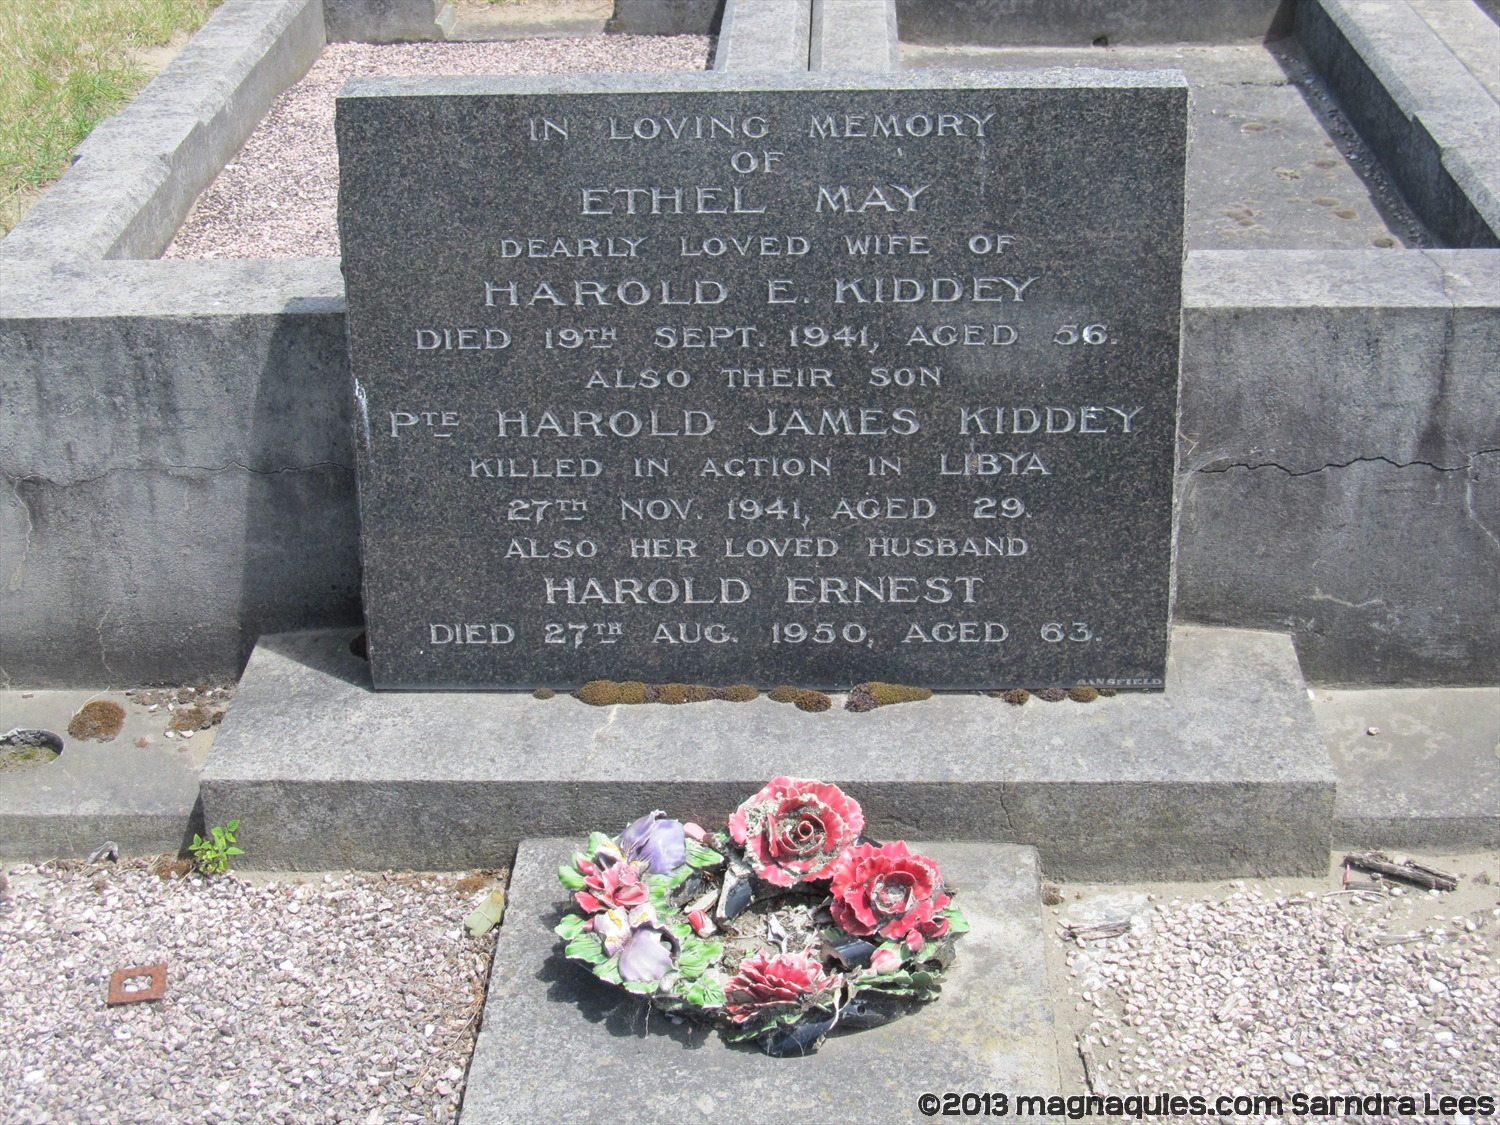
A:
[1221,774]
[558,1045]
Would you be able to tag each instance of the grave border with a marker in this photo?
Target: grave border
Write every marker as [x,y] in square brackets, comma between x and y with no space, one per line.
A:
[68,618]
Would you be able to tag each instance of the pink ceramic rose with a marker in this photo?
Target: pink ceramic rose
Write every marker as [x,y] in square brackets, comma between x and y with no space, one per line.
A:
[794,829]
[889,892]
[782,983]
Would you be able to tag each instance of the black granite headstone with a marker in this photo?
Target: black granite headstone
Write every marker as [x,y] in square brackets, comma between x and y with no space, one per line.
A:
[778,380]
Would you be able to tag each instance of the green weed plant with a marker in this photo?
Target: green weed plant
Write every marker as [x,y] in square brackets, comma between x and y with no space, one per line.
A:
[64,66]
[212,854]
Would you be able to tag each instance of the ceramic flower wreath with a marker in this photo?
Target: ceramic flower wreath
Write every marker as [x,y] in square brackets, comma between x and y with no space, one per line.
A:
[780,927]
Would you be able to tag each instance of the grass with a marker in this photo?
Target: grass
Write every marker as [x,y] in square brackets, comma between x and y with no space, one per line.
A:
[64,66]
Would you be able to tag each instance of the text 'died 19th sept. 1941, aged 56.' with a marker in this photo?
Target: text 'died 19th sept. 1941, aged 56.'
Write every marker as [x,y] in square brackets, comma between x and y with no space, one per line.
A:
[801,383]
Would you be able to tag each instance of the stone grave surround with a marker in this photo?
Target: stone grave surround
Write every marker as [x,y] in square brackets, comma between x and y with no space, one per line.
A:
[809,380]
[1335,473]
[1278,511]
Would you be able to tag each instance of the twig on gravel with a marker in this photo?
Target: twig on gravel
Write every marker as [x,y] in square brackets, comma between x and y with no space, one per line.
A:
[1398,939]
[1090,1067]
[1097,930]
[1410,872]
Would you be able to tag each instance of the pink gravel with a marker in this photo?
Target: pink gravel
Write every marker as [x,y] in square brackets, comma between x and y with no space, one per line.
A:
[278,197]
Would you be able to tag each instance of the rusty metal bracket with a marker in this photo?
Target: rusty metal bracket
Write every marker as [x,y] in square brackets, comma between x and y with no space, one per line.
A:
[155,991]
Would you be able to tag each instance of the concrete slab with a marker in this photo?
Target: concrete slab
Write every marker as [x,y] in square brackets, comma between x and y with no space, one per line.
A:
[1426,114]
[764,35]
[1418,768]
[1221,774]
[1082,22]
[528,19]
[1472,36]
[854,35]
[1272,164]
[140,796]
[558,1045]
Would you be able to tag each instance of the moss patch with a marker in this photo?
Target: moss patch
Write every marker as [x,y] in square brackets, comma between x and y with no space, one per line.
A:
[1052,695]
[1083,694]
[543,693]
[25,757]
[868,696]
[606,693]
[813,701]
[191,718]
[100,720]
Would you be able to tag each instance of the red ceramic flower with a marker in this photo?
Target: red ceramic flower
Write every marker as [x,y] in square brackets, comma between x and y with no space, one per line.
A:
[766,985]
[618,885]
[794,829]
[890,892]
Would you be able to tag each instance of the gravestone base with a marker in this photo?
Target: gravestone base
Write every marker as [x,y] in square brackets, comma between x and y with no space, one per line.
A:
[559,1045]
[1222,774]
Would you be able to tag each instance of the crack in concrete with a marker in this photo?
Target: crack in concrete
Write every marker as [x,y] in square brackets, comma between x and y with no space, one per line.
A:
[1346,464]
[1006,818]
[18,575]
[1469,504]
[596,739]
[1318,596]
[153,467]
[99,631]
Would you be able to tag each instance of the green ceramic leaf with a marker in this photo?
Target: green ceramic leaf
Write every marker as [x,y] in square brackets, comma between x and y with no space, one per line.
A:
[957,923]
[586,947]
[660,887]
[643,987]
[699,856]
[598,840]
[568,876]
[681,930]
[680,876]
[705,992]
[609,970]
[697,956]
[570,927]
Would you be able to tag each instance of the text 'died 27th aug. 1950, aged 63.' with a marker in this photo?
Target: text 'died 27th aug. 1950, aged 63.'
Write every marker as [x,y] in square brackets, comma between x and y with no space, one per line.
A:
[802,383]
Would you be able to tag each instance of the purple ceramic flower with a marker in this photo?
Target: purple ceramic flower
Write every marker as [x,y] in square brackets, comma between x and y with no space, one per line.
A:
[644,947]
[658,841]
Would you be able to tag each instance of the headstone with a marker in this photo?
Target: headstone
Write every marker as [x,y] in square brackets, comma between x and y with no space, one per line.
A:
[776,379]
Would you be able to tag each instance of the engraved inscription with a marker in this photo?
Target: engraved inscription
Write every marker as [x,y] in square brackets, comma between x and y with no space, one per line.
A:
[800,385]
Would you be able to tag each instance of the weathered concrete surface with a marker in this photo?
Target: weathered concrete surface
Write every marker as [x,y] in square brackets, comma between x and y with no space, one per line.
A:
[666,17]
[854,35]
[177,466]
[137,174]
[991,1029]
[1418,768]
[1467,31]
[1338,458]
[141,797]
[1067,23]
[1221,774]
[1430,120]
[1270,166]
[764,35]
[387,21]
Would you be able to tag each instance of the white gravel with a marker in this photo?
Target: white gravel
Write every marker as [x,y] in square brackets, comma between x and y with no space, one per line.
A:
[278,197]
[1277,994]
[352,998]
